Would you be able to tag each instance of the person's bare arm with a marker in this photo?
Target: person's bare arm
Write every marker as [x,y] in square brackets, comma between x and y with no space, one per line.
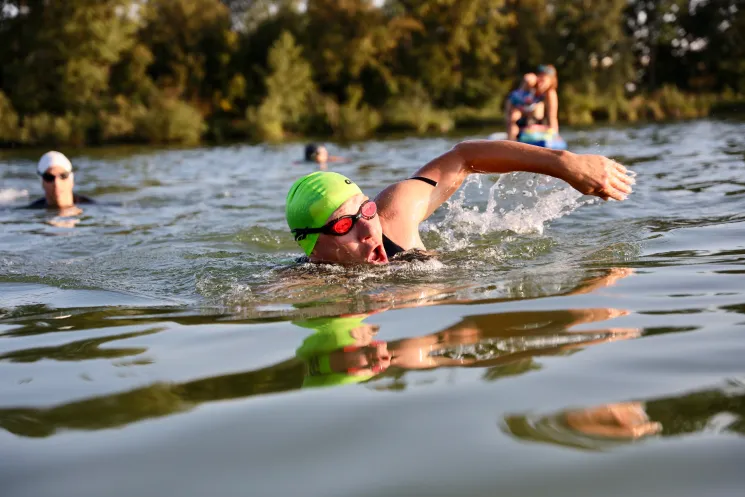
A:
[408,203]
[552,110]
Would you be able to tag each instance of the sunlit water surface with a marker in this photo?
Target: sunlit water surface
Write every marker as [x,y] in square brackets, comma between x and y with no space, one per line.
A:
[165,343]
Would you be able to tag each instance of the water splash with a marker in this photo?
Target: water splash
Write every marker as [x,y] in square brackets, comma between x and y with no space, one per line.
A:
[518,202]
[10,195]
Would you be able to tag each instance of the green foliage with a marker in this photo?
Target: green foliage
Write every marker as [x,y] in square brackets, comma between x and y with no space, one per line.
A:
[413,110]
[289,88]
[44,128]
[59,54]
[352,42]
[169,120]
[290,83]
[119,122]
[490,114]
[9,131]
[457,50]
[129,76]
[192,43]
[576,106]
[98,71]
[265,122]
[353,120]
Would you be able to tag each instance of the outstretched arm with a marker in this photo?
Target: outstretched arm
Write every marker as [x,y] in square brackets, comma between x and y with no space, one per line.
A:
[552,110]
[408,203]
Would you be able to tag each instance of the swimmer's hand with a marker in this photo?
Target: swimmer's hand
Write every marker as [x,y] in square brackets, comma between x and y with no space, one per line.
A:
[597,175]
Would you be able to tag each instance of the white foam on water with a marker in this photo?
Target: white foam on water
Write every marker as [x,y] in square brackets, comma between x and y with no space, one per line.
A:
[522,203]
[10,195]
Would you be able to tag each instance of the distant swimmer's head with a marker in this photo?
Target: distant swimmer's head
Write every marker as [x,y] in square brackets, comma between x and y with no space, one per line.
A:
[316,153]
[57,179]
[333,221]
[547,78]
[342,350]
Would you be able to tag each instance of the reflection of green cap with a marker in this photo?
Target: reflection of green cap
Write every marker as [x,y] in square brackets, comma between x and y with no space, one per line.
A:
[331,334]
[313,198]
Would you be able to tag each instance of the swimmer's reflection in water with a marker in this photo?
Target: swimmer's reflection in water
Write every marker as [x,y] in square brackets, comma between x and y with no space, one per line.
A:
[347,350]
[341,350]
[593,428]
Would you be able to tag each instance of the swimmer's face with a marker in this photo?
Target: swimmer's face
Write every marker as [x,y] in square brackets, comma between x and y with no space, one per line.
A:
[322,155]
[60,185]
[362,245]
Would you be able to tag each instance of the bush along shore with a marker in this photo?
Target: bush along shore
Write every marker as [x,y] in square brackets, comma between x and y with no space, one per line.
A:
[176,122]
[93,72]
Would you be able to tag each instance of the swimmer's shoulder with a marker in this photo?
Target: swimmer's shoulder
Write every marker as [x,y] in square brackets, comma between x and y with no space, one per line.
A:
[40,203]
[402,207]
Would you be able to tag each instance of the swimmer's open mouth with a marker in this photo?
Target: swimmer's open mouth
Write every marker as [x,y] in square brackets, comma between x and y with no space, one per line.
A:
[377,256]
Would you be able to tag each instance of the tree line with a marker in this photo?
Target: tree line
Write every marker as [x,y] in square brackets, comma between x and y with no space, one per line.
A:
[80,72]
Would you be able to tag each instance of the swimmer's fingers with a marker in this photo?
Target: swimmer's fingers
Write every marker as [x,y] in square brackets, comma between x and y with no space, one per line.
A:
[619,185]
[615,194]
[625,177]
[620,167]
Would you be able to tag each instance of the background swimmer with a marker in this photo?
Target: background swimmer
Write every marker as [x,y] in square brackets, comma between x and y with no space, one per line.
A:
[58,181]
[319,154]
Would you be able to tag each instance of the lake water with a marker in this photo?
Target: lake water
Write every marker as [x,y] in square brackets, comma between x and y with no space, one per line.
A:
[164,343]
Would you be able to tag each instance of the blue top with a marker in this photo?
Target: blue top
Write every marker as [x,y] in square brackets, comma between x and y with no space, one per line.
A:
[525,100]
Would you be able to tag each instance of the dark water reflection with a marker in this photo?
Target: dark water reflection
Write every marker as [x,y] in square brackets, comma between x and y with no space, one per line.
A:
[716,410]
[169,345]
[503,344]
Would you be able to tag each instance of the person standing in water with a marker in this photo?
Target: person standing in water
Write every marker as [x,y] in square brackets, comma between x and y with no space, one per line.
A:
[57,180]
[535,101]
[334,222]
[320,155]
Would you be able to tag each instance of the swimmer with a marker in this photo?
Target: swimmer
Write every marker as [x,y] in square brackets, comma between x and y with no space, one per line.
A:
[57,180]
[534,101]
[334,222]
[320,155]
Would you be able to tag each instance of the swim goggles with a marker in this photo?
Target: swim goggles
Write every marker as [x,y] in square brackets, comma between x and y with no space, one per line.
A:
[49,177]
[341,225]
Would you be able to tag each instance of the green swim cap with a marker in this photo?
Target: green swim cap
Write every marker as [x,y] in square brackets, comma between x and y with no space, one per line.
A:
[313,198]
[331,334]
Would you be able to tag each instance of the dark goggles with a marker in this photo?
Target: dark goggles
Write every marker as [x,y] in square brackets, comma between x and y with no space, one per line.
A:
[49,177]
[341,225]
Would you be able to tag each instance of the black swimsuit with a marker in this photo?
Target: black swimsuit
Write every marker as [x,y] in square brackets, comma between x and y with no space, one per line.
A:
[76,199]
[392,248]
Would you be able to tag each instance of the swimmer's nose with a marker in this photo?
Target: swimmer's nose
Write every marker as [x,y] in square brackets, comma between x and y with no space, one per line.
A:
[365,229]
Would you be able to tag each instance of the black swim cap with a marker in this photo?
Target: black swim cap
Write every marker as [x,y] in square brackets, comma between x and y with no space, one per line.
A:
[311,151]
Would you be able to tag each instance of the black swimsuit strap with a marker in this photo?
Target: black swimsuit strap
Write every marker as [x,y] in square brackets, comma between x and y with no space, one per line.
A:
[391,248]
[426,180]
